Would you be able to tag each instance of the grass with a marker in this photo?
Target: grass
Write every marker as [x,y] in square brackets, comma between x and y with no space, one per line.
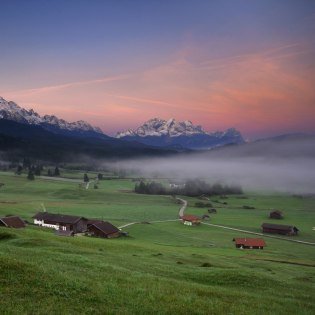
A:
[163,268]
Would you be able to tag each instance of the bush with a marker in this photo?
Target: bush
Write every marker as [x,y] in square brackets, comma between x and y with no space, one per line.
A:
[248,207]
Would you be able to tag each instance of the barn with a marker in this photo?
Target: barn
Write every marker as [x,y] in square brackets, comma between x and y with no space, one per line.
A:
[102,229]
[249,243]
[279,229]
[61,222]
[12,222]
[276,214]
[190,219]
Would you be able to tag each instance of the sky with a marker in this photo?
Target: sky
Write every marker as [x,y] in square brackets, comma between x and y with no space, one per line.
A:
[244,63]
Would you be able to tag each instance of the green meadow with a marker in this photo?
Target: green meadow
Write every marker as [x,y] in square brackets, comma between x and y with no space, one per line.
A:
[161,267]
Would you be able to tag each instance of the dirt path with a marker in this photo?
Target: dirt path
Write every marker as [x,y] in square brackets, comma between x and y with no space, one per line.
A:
[260,234]
[183,208]
[128,224]
[180,213]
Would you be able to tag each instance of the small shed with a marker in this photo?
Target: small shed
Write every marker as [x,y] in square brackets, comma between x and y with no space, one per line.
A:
[276,214]
[249,243]
[12,222]
[279,229]
[103,229]
[190,219]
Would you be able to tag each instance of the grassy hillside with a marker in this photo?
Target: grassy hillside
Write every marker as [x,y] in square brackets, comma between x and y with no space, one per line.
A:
[164,268]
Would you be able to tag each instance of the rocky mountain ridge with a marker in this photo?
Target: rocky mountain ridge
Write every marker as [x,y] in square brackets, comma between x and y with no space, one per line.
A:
[160,132]
[11,111]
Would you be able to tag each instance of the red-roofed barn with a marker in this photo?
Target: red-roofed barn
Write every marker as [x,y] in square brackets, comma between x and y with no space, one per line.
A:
[249,243]
[189,219]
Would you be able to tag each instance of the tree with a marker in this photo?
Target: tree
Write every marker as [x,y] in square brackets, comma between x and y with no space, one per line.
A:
[100,176]
[30,175]
[57,172]
[19,170]
[86,178]
[37,170]
[49,173]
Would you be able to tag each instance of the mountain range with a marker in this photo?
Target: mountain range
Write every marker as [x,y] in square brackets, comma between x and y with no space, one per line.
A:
[155,133]
[26,133]
[11,111]
[180,134]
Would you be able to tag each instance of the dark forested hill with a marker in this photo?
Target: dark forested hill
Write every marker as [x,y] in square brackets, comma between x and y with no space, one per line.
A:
[19,139]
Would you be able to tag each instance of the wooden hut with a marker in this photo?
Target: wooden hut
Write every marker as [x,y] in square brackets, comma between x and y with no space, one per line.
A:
[249,243]
[102,229]
[279,229]
[189,219]
[276,214]
[12,222]
[61,222]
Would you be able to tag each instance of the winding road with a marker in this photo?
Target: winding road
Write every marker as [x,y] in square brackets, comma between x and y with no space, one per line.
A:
[183,208]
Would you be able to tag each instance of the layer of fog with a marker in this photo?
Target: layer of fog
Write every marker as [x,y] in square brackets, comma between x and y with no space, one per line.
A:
[284,166]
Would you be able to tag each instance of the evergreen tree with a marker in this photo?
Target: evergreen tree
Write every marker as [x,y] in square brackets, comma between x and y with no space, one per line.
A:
[57,172]
[86,178]
[100,176]
[19,170]
[37,170]
[49,173]
[30,175]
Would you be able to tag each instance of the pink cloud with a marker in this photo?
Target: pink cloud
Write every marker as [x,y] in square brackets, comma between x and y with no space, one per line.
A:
[255,92]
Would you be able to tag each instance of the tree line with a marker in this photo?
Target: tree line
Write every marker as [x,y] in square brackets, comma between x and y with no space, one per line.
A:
[35,169]
[192,187]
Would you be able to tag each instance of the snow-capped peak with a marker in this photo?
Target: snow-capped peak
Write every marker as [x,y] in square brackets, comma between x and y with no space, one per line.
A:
[12,111]
[180,134]
[161,127]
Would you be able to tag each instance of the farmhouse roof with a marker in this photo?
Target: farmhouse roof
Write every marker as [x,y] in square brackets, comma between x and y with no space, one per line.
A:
[279,226]
[190,217]
[58,218]
[13,221]
[255,242]
[93,221]
[105,227]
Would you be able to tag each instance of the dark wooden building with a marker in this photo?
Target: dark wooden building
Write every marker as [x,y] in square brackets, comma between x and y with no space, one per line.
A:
[12,222]
[61,222]
[276,214]
[249,243]
[279,229]
[102,229]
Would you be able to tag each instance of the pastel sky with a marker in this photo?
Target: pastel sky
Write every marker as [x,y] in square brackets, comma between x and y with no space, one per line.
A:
[240,63]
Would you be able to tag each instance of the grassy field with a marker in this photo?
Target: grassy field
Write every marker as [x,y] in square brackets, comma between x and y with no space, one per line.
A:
[161,268]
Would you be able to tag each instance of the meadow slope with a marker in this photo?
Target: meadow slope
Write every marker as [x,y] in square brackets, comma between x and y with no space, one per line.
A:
[160,268]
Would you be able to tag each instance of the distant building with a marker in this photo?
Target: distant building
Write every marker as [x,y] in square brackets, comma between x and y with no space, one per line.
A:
[279,229]
[12,222]
[102,229]
[189,219]
[249,243]
[176,184]
[61,222]
[276,214]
